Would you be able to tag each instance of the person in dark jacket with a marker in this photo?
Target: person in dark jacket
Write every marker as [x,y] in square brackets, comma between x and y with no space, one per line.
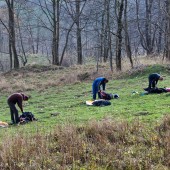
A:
[16,98]
[153,80]
[96,86]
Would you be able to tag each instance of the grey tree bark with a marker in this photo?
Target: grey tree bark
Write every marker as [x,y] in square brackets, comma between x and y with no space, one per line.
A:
[79,43]
[12,40]
[119,35]
[127,38]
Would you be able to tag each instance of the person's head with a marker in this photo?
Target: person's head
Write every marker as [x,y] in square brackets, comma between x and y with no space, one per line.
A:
[25,98]
[161,78]
[106,80]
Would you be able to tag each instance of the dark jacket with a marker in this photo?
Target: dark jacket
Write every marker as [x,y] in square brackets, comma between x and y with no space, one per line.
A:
[154,77]
[153,80]
[16,98]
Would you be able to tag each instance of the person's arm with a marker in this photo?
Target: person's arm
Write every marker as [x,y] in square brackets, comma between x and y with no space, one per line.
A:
[98,87]
[20,104]
[156,81]
[103,84]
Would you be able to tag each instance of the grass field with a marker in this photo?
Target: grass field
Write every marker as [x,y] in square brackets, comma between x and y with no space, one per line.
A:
[58,99]
[69,100]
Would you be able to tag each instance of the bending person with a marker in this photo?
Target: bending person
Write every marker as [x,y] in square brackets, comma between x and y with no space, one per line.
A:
[153,80]
[96,87]
[16,98]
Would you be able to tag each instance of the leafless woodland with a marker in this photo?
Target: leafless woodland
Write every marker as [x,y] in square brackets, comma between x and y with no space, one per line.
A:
[68,32]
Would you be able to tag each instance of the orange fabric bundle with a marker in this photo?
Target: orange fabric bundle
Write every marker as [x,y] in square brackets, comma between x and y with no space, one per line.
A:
[3,124]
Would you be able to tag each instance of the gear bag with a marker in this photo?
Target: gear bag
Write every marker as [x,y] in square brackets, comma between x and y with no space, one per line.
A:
[105,96]
[27,116]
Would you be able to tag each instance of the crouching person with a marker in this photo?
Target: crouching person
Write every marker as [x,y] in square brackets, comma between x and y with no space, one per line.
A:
[16,98]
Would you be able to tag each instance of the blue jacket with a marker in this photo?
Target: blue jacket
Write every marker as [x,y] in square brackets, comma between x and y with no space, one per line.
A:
[96,85]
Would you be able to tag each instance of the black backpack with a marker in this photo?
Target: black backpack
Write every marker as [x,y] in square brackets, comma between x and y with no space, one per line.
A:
[27,116]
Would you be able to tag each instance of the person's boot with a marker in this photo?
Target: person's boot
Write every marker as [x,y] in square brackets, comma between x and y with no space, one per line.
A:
[147,89]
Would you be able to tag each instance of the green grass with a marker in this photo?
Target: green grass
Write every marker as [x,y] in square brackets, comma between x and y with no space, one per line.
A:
[69,101]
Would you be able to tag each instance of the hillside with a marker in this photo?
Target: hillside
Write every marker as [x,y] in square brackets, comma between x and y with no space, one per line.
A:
[68,133]
[65,90]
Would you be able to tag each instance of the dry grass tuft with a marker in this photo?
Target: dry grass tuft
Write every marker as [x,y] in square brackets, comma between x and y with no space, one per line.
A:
[106,144]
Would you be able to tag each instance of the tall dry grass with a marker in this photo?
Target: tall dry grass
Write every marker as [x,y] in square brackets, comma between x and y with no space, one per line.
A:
[98,145]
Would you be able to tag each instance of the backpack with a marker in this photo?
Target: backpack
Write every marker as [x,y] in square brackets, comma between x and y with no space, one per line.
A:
[105,96]
[27,116]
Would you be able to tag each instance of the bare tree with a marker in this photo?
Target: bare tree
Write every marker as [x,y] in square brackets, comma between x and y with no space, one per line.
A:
[14,61]
[147,35]
[167,31]
[79,43]
[23,56]
[120,8]
[75,14]
[127,38]
[109,34]
[105,29]
[51,10]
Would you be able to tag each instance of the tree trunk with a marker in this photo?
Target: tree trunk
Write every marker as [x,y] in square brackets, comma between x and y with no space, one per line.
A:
[119,36]
[55,43]
[102,39]
[38,38]
[79,44]
[109,35]
[23,57]
[106,30]
[66,42]
[12,33]
[10,54]
[148,33]
[167,48]
[127,39]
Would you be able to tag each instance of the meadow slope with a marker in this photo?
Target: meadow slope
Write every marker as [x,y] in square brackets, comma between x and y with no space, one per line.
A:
[57,99]
[57,91]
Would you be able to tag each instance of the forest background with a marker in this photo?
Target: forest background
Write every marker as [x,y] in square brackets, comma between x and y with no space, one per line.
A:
[78,31]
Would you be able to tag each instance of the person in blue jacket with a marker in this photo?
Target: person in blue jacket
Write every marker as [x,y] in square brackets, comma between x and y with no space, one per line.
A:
[153,80]
[96,87]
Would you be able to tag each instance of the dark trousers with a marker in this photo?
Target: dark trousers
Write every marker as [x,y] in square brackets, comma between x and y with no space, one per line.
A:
[99,95]
[152,84]
[94,95]
[14,113]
